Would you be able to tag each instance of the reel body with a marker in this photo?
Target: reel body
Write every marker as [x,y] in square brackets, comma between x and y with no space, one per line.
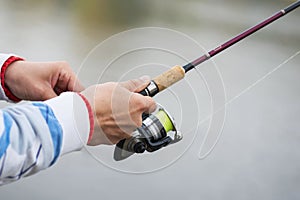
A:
[158,130]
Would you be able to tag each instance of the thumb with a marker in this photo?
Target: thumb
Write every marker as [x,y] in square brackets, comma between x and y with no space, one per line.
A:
[136,85]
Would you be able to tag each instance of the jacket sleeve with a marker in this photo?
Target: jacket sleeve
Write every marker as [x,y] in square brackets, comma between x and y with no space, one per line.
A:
[34,135]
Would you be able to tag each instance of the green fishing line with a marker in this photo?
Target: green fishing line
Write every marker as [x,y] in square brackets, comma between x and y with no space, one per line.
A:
[165,120]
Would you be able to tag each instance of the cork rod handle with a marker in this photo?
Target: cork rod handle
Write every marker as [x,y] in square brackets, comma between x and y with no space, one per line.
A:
[164,81]
[169,77]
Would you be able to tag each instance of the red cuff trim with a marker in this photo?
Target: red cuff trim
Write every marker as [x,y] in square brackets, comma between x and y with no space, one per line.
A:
[7,92]
[91,116]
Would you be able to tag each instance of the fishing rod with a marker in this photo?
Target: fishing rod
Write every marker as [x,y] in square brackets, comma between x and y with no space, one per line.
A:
[177,73]
[154,133]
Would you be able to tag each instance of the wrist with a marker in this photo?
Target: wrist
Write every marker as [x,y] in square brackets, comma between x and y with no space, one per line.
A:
[7,75]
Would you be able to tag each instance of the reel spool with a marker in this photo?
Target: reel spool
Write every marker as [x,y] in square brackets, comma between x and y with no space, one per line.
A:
[158,130]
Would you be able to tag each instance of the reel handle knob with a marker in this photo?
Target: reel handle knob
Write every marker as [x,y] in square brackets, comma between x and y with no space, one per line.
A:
[139,147]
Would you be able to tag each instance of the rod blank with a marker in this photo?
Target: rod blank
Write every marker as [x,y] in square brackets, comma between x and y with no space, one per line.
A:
[175,74]
[240,36]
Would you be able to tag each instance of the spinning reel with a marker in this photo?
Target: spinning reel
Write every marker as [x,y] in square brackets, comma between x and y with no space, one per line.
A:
[158,130]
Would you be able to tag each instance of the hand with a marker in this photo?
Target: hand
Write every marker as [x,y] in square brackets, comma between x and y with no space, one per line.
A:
[117,109]
[40,80]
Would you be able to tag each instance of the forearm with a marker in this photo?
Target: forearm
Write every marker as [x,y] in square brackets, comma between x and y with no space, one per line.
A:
[34,135]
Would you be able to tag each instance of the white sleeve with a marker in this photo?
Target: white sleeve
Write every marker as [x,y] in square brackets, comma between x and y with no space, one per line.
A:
[72,114]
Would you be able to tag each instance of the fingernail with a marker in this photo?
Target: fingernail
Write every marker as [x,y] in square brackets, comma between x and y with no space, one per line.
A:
[145,78]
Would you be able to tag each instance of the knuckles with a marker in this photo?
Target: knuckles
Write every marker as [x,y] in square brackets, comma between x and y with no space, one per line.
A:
[63,65]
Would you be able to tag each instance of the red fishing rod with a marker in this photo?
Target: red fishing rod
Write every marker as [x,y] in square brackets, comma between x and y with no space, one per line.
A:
[177,73]
[157,128]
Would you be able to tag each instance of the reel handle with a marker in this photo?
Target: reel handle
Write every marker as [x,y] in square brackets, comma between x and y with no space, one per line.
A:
[164,81]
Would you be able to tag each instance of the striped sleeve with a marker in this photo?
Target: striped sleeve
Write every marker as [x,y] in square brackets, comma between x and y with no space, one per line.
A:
[34,135]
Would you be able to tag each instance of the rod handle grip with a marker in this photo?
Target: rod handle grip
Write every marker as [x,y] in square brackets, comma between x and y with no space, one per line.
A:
[164,80]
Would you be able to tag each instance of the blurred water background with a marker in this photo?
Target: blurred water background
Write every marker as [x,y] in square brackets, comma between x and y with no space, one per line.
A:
[258,155]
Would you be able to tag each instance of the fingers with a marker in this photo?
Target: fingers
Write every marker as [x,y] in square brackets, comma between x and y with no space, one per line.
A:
[77,86]
[63,81]
[74,84]
[149,105]
[67,80]
[136,85]
[143,105]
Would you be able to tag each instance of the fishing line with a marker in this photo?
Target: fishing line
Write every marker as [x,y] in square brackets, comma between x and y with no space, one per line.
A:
[235,98]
